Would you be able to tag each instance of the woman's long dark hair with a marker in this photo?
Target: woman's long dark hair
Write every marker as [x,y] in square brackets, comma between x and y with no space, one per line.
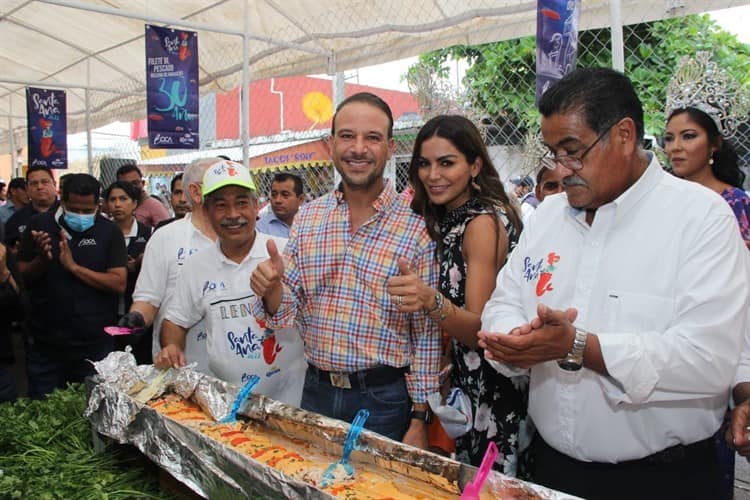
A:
[725,167]
[465,137]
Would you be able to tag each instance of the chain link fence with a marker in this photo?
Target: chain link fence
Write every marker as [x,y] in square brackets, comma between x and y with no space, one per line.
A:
[497,88]
[492,83]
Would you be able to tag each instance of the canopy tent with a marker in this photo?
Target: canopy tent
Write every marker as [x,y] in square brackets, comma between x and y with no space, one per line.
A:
[98,45]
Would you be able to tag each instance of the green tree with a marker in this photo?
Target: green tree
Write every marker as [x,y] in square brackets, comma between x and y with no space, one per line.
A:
[500,79]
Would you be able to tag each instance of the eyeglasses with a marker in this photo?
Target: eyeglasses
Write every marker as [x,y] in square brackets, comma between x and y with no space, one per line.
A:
[549,160]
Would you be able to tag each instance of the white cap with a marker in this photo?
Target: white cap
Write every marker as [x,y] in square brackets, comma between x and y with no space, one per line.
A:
[226,173]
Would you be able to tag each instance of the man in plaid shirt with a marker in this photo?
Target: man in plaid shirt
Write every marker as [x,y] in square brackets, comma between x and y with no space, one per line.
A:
[363,350]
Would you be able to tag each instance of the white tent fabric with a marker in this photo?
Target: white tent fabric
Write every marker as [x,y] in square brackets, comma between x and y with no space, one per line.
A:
[57,43]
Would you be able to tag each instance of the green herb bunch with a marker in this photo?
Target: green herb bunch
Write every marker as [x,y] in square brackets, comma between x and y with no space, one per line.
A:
[47,453]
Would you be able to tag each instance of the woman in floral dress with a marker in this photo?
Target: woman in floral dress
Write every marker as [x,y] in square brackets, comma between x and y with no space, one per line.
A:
[458,192]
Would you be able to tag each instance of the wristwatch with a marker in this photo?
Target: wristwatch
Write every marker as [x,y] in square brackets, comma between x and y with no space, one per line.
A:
[423,415]
[574,360]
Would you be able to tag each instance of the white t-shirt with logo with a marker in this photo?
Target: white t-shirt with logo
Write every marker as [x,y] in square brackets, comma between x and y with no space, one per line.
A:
[166,252]
[217,290]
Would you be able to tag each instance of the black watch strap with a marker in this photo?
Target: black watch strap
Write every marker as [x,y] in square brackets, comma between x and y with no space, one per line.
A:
[423,415]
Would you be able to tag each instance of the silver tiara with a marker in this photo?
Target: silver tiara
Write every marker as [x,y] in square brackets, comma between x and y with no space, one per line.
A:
[699,83]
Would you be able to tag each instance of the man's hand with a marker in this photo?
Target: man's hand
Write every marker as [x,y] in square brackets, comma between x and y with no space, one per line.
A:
[408,291]
[133,320]
[43,243]
[738,433]
[546,338]
[416,434]
[266,278]
[170,356]
[66,257]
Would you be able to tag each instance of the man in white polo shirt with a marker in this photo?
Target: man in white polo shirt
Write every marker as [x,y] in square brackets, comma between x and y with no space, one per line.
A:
[627,297]
[215,285]
[166,252]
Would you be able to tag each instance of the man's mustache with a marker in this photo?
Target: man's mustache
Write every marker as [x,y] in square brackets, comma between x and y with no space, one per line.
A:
[233,222]
[573,180]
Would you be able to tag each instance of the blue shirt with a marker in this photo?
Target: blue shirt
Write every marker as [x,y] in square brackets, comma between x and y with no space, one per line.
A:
[270,224]
[6,211]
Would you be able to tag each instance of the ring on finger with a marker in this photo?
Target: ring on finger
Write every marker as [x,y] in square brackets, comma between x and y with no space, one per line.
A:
[400,300]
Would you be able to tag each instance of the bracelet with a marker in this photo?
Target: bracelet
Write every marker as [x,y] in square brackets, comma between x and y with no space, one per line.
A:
[438,313]
[439,303]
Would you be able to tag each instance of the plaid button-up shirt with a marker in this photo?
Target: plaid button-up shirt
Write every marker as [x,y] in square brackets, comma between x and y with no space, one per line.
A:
[335,289]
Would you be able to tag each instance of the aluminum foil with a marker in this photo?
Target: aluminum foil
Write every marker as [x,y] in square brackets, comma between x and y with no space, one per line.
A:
[214,396]
[120,370]
[214,470]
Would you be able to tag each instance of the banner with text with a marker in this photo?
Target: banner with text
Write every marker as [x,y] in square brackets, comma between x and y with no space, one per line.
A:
[172,88]
[556,41]
[47,127]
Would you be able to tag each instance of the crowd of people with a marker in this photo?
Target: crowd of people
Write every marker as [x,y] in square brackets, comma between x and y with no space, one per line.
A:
[594,336]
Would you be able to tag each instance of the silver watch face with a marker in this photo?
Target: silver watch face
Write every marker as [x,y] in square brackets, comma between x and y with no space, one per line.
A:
[570,364]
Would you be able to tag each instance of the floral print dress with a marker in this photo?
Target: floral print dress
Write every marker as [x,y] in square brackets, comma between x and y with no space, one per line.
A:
[499,403]
[739,201]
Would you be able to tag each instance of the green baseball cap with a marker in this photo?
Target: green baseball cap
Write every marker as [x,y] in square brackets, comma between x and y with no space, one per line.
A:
[226,173]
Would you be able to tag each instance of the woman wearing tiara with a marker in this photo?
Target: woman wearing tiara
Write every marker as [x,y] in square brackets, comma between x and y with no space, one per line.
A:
[704,108]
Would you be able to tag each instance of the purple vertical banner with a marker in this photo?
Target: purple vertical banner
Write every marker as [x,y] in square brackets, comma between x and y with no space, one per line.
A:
[47,125]
[556,41]
[172,88]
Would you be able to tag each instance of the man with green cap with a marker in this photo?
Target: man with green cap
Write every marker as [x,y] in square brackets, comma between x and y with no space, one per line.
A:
[215,285]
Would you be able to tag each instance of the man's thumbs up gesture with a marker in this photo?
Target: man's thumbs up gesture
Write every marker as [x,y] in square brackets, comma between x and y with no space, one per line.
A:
[266,279]
[407,291]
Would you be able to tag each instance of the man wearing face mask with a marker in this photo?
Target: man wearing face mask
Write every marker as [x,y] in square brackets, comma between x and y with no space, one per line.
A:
[74,262]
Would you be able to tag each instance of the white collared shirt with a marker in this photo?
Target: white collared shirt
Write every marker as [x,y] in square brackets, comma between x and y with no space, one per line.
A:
[166,252]
[661,277]
[133,232]
[217,289]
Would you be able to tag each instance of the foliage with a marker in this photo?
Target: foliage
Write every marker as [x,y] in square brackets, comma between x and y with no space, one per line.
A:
[48,454]
[501,75]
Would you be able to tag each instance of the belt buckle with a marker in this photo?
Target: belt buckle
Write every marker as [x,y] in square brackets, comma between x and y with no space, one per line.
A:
[340,380]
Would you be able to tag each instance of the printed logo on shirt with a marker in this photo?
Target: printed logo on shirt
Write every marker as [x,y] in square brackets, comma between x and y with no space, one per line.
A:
[234,311]
[202,335]
[210,286]
[246,376]
[87,242]
[183,253]
[21,229]
[141,239]
[246,344]
[541,272]
[271,348]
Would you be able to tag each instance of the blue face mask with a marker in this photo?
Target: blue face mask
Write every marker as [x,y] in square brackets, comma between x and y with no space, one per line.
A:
[79,222]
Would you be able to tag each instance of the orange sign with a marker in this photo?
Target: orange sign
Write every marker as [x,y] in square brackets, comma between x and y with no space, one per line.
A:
[300,155]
